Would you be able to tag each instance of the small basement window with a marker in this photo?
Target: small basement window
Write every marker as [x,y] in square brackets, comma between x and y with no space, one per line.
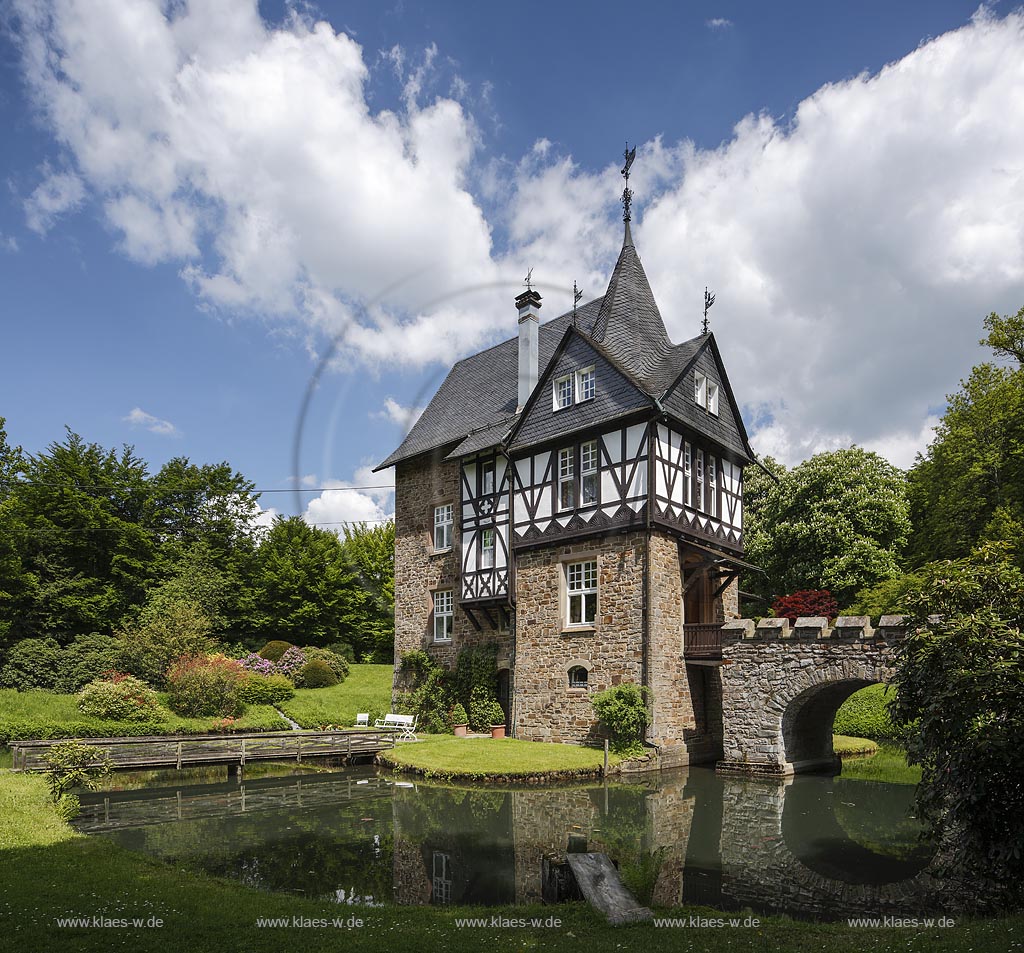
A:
[578,676]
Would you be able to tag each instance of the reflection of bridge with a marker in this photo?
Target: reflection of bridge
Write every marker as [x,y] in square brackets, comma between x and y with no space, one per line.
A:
[781,687]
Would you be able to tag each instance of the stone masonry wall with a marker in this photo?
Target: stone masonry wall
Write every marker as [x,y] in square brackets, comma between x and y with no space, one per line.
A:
[673,708]
[420,485]
[544,707]
[781,687]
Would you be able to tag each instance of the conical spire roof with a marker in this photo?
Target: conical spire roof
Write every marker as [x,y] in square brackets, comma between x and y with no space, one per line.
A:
[629,324]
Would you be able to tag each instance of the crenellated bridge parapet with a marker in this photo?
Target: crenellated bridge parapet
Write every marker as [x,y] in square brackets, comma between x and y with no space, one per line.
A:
[782,684]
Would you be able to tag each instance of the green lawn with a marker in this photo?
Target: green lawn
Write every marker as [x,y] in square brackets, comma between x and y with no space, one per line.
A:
[845,746]
[448,757]
[41,714]
[46,871]
[367,689]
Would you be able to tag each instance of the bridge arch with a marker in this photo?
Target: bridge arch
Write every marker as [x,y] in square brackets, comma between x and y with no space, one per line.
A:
[780,696]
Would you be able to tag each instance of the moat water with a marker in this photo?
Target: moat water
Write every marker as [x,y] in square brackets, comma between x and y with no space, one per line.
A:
[813,847]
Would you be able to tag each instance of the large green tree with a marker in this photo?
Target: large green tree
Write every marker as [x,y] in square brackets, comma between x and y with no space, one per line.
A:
[371,552]
[960,675]
[838,521]
[85,557]
[969,485]
[307,592]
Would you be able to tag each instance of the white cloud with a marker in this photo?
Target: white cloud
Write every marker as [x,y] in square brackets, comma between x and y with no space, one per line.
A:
[718,23]
[139,418]
[405,417]
[339,505]
[854,248]
[57,194]
[265,518]
[8,243]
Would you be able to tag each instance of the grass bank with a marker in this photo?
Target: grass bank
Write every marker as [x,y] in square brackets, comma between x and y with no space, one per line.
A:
[499,759]
[847,747]
[367,689]
[48,872]
[42,714]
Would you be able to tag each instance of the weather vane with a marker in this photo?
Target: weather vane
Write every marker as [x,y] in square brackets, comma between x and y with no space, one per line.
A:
[627,192]
[709,299]
[528,280]
[576,295]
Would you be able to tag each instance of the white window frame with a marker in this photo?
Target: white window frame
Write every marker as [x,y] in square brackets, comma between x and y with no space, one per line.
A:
[700,480]
[586,384]
[487,553]
[712,404]
[566,478]
[441,878]
[561,397]
[589,463]
[581,582]
[444,522]
[586,677]
[700,390]
[487,469]
[444,614]
[712,471]
[688,472]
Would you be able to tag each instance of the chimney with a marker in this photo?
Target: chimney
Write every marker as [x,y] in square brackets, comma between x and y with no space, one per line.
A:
[528,304]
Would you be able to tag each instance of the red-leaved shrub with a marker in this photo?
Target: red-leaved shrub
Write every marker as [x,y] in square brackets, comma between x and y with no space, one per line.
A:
[201,685]
[806,602]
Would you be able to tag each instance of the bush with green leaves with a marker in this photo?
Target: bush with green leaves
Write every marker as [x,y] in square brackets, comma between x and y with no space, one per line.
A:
[480,701]
[86,659]
[315,674]
[344,650]
[495,714]
[622,712]
[71,765]
[865,714]
[336,663]
[458,715]
[31,663]
[273,651]
[119,697]
[203,685]
[257,689]
[166,630]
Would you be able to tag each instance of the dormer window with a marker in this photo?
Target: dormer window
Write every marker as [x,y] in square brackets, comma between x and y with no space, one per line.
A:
[705,393]
[586,384]
[563,392]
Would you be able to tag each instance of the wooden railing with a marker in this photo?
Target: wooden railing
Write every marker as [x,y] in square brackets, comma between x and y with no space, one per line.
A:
[702,640]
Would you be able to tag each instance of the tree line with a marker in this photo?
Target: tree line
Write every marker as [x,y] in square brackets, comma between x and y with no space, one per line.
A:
[94,546]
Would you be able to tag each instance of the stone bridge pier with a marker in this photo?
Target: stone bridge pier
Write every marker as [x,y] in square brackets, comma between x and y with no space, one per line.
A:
[782,686]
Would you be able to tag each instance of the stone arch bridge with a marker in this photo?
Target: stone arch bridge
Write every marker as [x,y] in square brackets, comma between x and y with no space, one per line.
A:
[781,687]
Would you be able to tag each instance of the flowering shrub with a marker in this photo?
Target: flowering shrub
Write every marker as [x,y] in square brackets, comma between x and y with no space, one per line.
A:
[336,663]
[806,602]
[274,650]
[290,663]
[201,685]
[118,696]
[258,664]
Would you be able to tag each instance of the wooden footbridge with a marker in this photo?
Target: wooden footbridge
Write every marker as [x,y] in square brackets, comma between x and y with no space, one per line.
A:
[178,751]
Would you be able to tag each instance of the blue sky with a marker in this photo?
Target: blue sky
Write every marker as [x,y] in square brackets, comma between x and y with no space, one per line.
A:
[200,199]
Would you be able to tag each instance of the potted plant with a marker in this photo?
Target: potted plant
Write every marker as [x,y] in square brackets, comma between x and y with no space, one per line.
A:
[497,718]
[460,721]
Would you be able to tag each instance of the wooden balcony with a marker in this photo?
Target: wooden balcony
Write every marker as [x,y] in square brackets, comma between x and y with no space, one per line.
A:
[702,642]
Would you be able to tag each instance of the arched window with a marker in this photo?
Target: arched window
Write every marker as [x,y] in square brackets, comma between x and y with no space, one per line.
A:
[578,677]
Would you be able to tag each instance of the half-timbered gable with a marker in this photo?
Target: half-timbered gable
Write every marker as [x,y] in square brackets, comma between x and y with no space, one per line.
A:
[485,507]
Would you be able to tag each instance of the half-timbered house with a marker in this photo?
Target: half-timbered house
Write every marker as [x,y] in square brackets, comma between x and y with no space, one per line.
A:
[575,494]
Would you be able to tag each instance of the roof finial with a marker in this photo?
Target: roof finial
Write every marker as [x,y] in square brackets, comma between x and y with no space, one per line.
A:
[709,299]
[627,192]
[528,280]
[576,295]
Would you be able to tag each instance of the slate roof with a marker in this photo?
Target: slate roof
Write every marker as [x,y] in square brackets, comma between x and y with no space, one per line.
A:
[475,406]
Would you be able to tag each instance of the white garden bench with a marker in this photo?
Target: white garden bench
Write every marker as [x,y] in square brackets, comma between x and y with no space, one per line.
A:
[404,724]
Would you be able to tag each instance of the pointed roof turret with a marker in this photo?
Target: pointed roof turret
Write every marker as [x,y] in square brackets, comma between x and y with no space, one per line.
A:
[629,323]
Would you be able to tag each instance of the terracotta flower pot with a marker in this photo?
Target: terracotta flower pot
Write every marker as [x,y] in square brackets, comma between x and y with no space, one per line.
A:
[497,731]
[460,730]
